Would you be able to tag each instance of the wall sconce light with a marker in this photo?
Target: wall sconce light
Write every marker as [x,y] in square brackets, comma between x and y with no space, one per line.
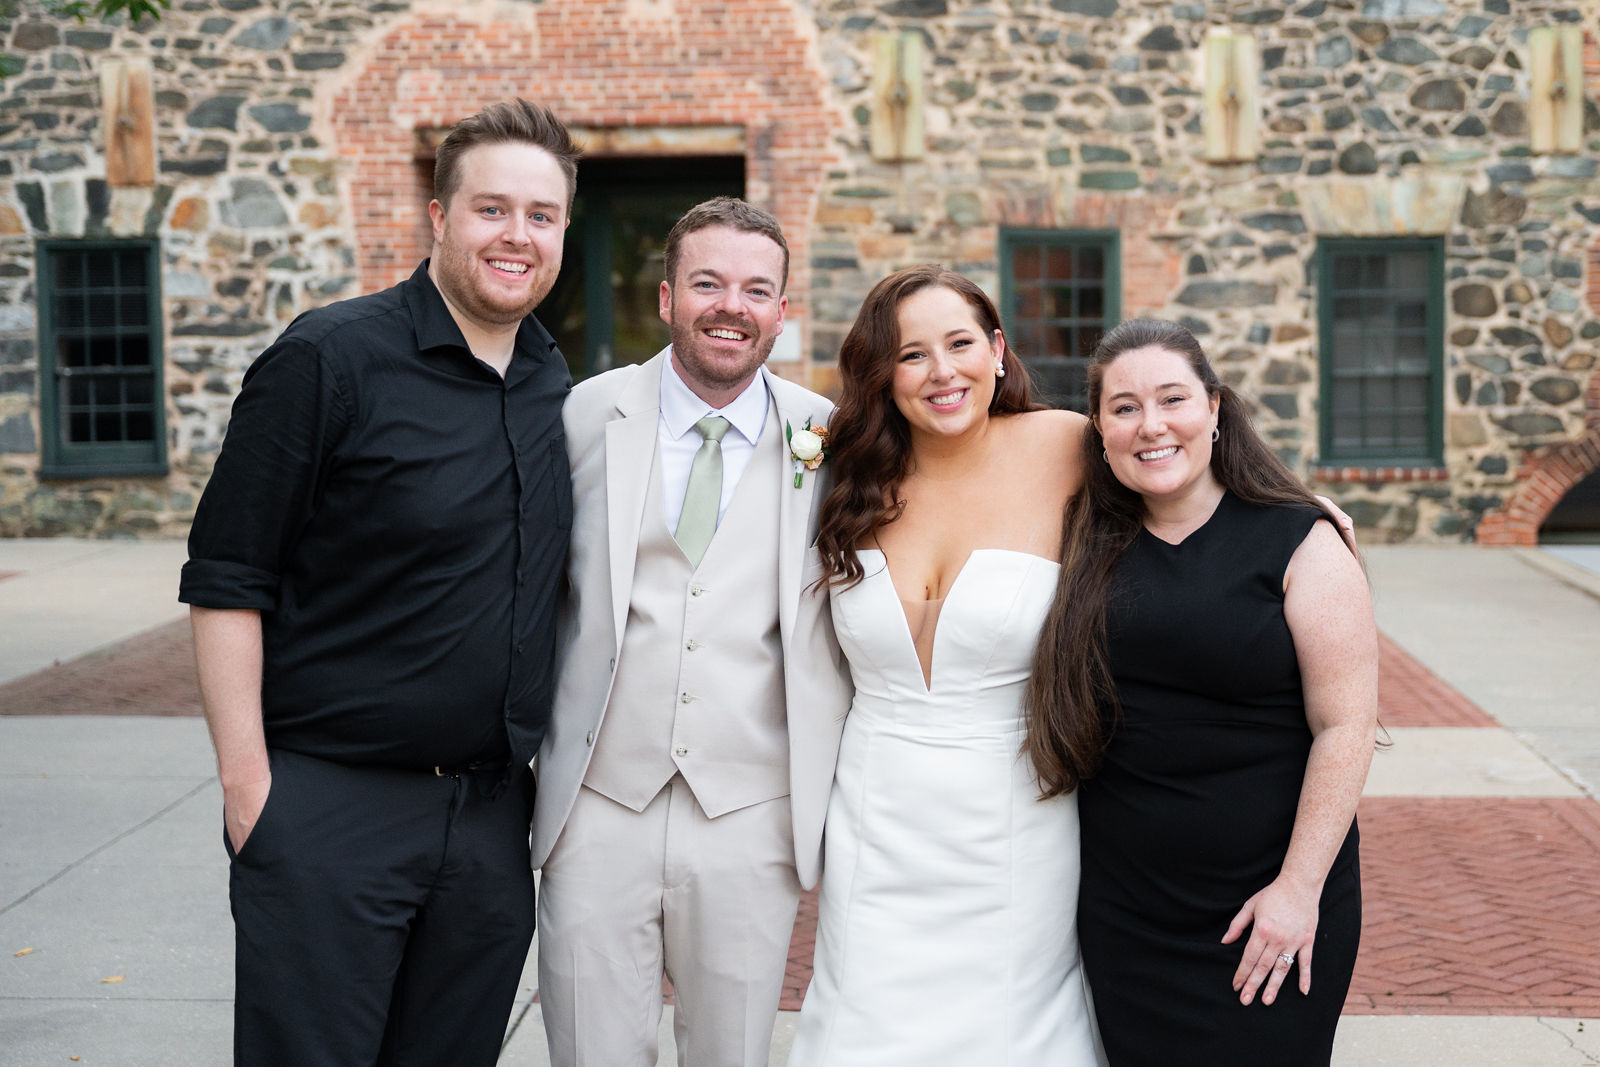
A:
[127,115]
[1555,111]
[896,130]
[1232,119]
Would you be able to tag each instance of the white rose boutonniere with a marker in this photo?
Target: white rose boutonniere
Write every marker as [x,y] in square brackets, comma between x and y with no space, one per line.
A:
[809,447]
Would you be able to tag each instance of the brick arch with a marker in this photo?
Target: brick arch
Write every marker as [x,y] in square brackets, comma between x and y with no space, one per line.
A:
[598,63]
[1545,477]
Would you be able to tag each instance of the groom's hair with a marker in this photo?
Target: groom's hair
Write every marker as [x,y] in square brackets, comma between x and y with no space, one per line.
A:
[733,213]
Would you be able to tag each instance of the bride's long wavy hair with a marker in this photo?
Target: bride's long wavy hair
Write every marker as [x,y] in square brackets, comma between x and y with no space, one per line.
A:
[869,441]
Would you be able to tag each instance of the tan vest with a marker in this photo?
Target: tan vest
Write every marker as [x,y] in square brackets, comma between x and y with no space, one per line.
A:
[699,684]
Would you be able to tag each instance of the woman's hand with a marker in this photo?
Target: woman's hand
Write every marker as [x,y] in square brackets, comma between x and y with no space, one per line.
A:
[1284,915]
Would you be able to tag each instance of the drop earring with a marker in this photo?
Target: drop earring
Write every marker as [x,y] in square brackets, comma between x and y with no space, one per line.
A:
[999,370]
[1216,433]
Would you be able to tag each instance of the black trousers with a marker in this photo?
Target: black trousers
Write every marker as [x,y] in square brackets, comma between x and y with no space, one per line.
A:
[380,916]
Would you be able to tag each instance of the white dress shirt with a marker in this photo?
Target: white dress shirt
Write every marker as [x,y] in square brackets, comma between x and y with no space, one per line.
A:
[678,440]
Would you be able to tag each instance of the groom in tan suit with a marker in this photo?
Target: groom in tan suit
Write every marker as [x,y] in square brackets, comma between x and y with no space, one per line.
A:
[701,694]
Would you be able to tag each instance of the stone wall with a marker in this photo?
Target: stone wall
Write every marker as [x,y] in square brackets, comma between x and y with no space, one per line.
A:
[286,136]
[1380,118]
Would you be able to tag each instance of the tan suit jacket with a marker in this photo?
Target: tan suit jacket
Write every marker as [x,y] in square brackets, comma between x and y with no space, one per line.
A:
[611,425]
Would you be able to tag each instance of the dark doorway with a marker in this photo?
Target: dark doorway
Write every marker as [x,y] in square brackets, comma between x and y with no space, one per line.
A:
[1576,518]
[604,309]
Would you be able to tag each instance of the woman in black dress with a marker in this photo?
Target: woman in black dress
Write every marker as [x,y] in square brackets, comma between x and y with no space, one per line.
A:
[1209,674]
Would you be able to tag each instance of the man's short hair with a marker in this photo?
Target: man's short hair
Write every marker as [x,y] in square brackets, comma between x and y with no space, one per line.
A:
[505,122]
[727,211]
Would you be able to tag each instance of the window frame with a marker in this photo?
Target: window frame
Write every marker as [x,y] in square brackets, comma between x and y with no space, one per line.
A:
[1109,241]
[1434,326]
[60,458]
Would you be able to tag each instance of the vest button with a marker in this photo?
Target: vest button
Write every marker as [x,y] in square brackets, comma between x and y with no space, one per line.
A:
[684,698]
[692,644]
[695,590]
[589,739]
[680,751]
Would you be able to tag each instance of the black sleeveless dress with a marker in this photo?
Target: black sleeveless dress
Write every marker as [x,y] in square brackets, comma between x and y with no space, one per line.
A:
[1192,810]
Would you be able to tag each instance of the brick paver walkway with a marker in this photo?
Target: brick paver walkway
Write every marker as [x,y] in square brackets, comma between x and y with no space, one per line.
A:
[1478,906]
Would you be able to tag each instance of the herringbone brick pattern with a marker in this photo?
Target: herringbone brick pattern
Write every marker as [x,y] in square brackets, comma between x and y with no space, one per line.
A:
[1479,907]
[1411,695]
[152,673]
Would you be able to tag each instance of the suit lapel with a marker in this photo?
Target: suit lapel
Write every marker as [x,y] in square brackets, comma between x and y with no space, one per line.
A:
[794,512]
[630,452]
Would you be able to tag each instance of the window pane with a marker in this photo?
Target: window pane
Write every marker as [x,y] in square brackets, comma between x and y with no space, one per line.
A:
[107,391]
[78,390]
[1408,270]
[69,271]
[141,426]
[135,351]
[78,427]
[102,351]
[1025,262]
[1092,302]
[100,270]
[139,389]
[70,313]
[1027,302]
[1411,315]
[131,270]
[1061,303]
[1091,262]
[1347,272]
[72,352]
[134,309]
[1058,264]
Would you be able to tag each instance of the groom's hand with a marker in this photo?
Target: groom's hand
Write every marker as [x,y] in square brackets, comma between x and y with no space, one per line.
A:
[241,807]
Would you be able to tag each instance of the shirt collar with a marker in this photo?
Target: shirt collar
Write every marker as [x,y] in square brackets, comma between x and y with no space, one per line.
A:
[681,409]
[436,328]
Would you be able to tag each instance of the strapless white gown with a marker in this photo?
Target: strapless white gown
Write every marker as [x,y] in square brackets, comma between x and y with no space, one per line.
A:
[947,931]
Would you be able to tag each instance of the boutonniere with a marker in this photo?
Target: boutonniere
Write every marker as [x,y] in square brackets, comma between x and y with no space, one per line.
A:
[809,447]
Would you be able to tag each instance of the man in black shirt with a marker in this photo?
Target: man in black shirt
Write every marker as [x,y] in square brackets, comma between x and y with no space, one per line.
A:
[373,574]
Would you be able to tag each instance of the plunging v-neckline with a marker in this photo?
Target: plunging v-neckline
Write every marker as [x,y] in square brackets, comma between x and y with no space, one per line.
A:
[905,620]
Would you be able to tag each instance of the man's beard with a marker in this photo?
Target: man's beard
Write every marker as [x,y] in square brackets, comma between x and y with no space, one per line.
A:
[459,282]
[689,345]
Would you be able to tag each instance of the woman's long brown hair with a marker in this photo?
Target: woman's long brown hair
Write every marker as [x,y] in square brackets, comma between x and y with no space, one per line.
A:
[869,441]
[1071,682]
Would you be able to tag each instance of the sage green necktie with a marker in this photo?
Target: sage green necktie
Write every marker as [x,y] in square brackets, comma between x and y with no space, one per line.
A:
[702,498]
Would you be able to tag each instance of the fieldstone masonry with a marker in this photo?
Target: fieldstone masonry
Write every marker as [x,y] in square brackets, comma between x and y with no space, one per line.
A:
[288,176]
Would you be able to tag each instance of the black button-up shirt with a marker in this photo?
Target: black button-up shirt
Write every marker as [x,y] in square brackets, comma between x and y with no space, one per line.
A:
[399,515]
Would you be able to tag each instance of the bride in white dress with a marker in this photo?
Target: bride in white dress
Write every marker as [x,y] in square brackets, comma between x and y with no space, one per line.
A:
[946,933]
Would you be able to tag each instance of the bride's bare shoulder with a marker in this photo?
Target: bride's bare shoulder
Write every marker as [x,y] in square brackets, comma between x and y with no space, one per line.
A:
[1051,427]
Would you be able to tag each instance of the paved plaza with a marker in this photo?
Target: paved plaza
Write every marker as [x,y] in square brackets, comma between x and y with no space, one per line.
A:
[1480,826]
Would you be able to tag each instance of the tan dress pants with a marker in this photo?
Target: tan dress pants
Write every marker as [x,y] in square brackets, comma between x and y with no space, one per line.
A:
[626,896]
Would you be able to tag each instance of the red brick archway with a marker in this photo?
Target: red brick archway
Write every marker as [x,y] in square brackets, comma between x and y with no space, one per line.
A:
[598,63]
[1545,477]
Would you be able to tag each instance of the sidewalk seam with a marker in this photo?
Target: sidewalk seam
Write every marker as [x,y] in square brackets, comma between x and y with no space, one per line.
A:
[92,853]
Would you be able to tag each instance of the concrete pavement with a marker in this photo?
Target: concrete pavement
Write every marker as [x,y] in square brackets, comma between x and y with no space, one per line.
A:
[111,867]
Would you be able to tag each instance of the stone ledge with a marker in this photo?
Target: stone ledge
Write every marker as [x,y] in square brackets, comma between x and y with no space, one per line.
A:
[1380,474]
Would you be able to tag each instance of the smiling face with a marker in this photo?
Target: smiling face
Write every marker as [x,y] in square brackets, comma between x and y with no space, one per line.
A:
[724,308]
[497,243]
[944,375]
[1156,420]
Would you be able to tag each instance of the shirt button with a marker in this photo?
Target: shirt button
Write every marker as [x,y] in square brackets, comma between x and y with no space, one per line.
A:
[692,645]
[680,751]
[519,650]
[684,698]
[589,740]
[695,590]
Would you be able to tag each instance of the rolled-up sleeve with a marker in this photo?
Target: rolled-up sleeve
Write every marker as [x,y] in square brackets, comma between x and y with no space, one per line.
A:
[286,424]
